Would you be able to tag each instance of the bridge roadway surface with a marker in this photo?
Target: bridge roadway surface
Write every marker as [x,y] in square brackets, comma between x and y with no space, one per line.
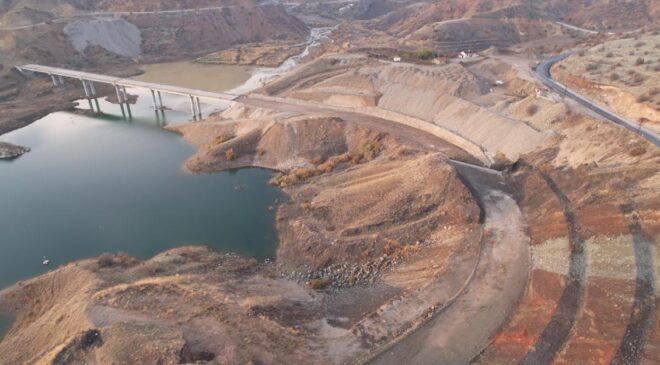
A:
[118,81]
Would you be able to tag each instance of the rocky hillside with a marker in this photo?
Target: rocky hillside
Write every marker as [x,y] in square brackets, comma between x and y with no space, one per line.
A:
[598,14]
[143,37]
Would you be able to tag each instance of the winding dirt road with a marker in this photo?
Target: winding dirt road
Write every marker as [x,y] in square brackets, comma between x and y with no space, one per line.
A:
[463,329]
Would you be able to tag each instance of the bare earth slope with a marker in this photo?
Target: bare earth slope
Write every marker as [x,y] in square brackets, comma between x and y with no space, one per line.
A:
[622,74]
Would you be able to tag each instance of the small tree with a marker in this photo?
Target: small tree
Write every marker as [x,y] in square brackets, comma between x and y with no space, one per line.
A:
[424,54]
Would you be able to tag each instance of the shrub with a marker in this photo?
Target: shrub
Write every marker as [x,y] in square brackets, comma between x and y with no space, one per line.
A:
[637,151]
[391,246]
[332,162]
[614,76]
[642,98]
[654,91]
[318,284]
[317,160]
[296,176]
[638,78]
[592,66]
[609,55]
[326,167]
[221,138]
[304,173]
[123,258]
[370,149]
[639,61]
[106,260]
[640,44]
[532,109]
[230,154]
[424,54]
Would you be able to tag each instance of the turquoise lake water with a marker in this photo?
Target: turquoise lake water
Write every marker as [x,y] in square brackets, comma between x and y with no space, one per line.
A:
[96,183]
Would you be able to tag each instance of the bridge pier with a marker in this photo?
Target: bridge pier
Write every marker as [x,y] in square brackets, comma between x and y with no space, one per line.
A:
[92,89]
[128,105]
[55,83]
[120,99]
[61,80]
[153,98]
[199,109]
[193,108]
[84,84]
[160,99]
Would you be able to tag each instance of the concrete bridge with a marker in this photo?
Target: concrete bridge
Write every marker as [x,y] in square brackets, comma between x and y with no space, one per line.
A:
[120,84]
[369,115]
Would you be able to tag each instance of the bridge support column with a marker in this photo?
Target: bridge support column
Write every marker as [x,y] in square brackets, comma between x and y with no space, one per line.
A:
[55,83]
[199,109]
[84,84]
[61,80]
[120,99]
[153,98]
[128,105]
[160,99]
[193,108]
[92,89]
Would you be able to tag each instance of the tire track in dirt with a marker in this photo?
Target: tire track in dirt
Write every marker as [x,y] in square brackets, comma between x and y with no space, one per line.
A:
[631,349]
[558,330]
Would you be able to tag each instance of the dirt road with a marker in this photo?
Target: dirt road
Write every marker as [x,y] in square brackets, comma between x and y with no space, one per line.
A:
[461,331]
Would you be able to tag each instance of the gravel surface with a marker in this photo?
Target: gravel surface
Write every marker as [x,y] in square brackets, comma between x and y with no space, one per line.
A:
[114,35]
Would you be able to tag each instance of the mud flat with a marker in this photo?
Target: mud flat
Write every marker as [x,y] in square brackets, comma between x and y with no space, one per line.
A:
[214,78]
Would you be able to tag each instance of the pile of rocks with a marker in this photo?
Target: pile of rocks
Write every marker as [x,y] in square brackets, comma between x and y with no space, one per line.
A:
[345,275]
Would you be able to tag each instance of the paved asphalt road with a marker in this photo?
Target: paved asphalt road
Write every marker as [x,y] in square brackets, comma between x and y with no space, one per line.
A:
[543,71]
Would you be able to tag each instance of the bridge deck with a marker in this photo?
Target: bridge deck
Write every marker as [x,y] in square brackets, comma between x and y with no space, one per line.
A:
[112,80]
